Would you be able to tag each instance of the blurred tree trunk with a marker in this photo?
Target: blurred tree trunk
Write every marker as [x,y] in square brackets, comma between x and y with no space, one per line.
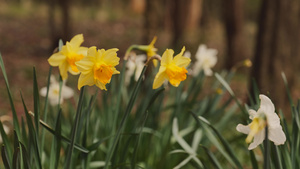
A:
[62,30]
[179,13]
[66,28]
[151,20]
[277,48]
[194,14]
[233,11]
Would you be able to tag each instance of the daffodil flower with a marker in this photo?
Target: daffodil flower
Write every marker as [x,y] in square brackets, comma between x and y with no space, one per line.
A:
[150,50]
[135,65]
[68,56]
[53,95]
[205,60]
[265,116]
[172,69]
[97,67]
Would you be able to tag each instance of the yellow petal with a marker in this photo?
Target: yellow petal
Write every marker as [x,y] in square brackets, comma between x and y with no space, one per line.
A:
[86,64]
[56,59]
[100,85]
[86,79]
[167,57]
[82,51]
[110,57]
[77,40]
[159,78]
[180,60]
[63,70]
[92,51]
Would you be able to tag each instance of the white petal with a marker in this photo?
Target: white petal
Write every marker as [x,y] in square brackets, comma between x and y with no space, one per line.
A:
[43,91]
[258,139]
[243,129]
[277,136]
[67,92]
[252,114]
[266,105]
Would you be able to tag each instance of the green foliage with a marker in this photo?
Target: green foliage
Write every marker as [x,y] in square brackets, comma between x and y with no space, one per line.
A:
[131,127]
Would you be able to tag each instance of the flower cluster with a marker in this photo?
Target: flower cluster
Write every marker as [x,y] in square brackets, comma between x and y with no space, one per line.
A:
[95,67]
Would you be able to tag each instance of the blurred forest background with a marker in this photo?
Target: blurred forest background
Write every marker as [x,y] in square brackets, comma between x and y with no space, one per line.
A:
[265,31]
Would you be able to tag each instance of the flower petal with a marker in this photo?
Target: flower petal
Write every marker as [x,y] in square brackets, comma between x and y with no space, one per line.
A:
[277,135]
[159,78]
[86,79]
[258,139]
[67,92]
[252,114]
[266,104]
[77,40]
[100,85]
[180,60]
[86,64]
[43,91]
[110,57]
[167,57]
[56,59]
[243,129]
[63,70]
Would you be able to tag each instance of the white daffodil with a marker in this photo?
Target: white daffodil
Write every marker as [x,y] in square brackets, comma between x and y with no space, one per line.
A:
[134,65]
[265,116]
[191,150]
[205,60]
[53,96]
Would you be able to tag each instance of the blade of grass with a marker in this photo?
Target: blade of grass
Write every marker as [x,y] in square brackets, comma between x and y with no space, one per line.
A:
[222,140]
[127,112]
[5,157]
[45,112]
[32,136]
[47,127]
[74,130]
[36,103]
[6,142]
[14,113]
[212,158]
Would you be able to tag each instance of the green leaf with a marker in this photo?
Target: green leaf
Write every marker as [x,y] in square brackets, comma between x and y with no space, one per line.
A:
[36,102]
[5,157]
[74,130]
[8,150]
[15,117]
[222,140]
[32,136]
[24,156]
[212,158]
[128,110]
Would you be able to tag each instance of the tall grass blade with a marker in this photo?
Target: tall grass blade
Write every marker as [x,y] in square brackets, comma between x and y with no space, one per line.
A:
[6,142]
[74,130]
[5,158]
[15,117]
[128,110]
[32,136]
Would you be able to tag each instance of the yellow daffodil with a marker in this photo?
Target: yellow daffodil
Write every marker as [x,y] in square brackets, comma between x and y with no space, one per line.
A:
[68,56]
[150,50]
[172,69]
[97,67]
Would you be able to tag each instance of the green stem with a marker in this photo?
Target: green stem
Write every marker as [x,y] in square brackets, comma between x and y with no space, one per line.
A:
[266,150]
